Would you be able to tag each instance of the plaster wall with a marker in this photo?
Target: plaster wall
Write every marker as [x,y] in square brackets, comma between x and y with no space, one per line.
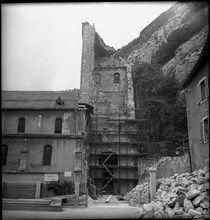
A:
[195,113]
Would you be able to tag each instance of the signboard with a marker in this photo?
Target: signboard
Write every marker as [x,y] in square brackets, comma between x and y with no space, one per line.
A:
[67,174]
[50,177]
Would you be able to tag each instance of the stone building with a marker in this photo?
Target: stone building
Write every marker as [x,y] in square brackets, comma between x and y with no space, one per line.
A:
[43,139]
[197,99]
[117,141]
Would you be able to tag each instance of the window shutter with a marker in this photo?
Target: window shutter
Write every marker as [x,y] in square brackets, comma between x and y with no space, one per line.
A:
[198,94]
[206,86]
[201,131]
[23,161]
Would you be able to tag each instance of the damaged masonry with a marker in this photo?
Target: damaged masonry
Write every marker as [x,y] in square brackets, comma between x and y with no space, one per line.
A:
[118,141]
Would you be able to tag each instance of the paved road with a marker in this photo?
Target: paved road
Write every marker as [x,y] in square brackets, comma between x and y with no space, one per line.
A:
[98,211]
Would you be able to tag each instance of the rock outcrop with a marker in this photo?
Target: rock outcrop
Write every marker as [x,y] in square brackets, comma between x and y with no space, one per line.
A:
[173,41]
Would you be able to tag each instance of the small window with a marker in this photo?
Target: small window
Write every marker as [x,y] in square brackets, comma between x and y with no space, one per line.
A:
[202,90]
[59,101]
[204,129]
[21,125]
[4,151]
[116,78]
[47,153]
[58,126]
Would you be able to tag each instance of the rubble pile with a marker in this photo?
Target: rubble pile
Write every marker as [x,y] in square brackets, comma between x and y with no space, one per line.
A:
[185,194]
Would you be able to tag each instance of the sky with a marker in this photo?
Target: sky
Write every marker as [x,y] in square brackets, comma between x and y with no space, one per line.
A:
[42,42]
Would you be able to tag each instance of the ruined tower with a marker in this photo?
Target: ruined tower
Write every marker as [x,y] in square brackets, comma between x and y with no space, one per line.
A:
[116,141]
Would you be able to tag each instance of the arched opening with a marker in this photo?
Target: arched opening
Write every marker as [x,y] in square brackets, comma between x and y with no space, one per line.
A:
[116,78]
[47,153]
[4,152]
[21,125]
[58,126]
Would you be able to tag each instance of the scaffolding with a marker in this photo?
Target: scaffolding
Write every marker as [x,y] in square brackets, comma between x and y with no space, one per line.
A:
[113,161]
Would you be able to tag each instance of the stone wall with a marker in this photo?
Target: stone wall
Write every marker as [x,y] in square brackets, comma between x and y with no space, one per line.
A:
[166,167]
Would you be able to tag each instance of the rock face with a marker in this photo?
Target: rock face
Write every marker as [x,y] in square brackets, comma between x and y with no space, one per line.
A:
[173,41]
[174,197]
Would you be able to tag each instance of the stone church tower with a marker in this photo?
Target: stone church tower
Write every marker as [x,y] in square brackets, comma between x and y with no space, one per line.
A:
[106,82]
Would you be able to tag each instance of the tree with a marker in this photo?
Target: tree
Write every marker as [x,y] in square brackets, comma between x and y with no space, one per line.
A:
[165,111]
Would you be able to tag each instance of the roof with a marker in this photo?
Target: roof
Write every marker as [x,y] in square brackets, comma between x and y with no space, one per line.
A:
[39,99]
[202,59]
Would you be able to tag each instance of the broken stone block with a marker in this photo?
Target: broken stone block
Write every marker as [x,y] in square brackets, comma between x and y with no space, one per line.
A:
[204,205]
[179,211]
[205,212]
[168,210]
[194,213]
[197,201]
[192,186]
[185,183]
[172,195]
[158,214]
[202,180]
[148,210]
[180,200]
[207,175]
[199,209]
[192,193]
[187,205]
[202,188]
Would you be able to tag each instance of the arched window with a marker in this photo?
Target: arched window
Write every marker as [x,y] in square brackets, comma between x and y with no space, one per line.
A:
[21,125]
[4,151]
[58,126]
[116,78]
[47,153]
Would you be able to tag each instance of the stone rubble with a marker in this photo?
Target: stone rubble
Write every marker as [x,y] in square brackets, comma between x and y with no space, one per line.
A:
[185,195]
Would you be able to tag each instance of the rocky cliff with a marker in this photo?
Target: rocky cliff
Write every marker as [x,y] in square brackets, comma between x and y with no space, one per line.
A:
[173,41]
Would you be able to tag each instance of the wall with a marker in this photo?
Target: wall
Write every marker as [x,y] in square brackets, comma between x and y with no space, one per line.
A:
[62,154]
[195,113]
[166,167]
[87,64]
[47,121]
[63,145]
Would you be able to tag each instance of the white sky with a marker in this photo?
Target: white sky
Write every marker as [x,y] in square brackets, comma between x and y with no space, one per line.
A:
[42,42]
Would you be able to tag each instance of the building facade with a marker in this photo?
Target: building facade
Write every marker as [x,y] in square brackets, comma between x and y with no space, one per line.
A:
[43,137]
[197,99]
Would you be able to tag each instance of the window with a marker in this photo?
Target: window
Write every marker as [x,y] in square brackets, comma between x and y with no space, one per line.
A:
[202,90]
[116,78]
[59,101]
[58,126]
[4,151]
[47,153]
[204,129]
[21,125]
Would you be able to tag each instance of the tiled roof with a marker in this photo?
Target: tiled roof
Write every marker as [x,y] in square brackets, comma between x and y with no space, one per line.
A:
[39,99]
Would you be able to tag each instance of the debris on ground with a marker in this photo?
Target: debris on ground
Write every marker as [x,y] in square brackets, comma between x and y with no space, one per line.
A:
[185,194]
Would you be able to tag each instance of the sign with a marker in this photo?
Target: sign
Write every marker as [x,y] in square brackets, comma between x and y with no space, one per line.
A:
[67,174]
[50,177]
